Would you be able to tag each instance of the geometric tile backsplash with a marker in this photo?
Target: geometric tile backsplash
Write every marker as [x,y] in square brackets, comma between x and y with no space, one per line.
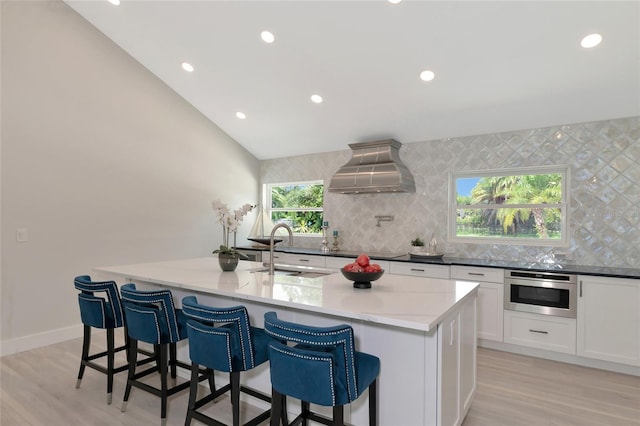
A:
[604,192]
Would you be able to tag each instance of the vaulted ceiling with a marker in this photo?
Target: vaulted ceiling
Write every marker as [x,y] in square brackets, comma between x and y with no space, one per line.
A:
[498,66]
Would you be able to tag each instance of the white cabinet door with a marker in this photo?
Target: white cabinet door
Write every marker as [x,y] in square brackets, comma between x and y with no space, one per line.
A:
[468,345]
[490,311]
[449,372]
[609,319]
[490,298]
[457,364]
[419,269]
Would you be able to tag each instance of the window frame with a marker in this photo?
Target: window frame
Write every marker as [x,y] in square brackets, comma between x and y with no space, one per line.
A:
[267,187]
[564,170]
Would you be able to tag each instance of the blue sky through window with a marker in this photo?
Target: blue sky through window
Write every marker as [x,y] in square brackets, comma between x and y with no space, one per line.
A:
[465,185]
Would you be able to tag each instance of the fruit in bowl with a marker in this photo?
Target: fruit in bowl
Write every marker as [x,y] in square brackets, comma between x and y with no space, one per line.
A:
[362,272]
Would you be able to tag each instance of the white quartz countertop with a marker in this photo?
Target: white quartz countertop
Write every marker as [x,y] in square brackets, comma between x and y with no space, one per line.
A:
[402,301]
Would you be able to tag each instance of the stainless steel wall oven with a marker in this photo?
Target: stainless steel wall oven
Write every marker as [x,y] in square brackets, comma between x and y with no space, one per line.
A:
[546,293]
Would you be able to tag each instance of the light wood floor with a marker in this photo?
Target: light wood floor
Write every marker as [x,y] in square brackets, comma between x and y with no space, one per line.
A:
[38,388]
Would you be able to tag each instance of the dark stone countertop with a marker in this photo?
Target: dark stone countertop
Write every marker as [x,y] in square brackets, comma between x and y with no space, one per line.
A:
[566,267]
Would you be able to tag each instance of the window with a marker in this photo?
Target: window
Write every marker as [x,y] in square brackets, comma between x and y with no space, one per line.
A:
[298,204]
[513,206]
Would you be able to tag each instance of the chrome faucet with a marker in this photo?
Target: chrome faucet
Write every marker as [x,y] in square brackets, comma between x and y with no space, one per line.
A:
[272,244]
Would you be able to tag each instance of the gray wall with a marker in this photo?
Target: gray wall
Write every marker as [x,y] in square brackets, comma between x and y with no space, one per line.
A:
[604,196]
[102,163]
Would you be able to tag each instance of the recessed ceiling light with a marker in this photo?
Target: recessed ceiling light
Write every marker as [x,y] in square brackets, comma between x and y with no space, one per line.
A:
[316,99]
[592,40]
[241,115]
[267,36]
[394,1]
[427,75]
[187,67]
[115,2]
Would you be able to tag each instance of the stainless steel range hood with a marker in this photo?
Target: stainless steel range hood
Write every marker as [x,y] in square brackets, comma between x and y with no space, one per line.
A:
[374,167]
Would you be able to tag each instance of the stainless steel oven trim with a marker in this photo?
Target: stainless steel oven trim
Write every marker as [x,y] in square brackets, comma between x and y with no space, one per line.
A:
[545,280]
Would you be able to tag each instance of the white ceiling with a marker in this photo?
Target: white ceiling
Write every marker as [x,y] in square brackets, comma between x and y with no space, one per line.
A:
[499,66]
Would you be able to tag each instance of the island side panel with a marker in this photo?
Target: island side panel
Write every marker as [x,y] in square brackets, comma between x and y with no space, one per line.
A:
[407,386]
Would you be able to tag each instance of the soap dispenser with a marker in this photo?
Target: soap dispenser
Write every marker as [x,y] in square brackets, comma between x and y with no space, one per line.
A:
[433,245]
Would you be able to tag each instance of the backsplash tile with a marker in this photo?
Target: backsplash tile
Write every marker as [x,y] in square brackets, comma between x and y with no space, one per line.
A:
[604,193]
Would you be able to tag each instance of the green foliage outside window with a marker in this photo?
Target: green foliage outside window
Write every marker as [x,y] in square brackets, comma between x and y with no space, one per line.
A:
[526,206]
[298,205]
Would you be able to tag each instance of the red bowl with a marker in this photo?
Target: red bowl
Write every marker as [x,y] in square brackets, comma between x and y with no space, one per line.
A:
[361,279]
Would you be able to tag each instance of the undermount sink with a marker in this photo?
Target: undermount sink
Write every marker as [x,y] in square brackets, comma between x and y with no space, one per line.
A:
[299,271]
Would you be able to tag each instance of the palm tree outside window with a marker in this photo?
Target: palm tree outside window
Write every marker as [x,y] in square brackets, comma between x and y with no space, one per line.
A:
[513,206]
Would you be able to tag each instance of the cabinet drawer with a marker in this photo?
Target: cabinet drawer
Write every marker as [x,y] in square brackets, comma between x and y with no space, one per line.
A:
[474,273]
[419,269]
[540,331]
[300,259]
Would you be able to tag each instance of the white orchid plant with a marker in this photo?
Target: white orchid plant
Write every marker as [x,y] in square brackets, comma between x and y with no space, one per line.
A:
[230,221]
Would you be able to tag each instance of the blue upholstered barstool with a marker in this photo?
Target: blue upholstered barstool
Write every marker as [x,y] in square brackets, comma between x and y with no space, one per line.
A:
[100,307]
[322,368]
[152,318]
[222,339]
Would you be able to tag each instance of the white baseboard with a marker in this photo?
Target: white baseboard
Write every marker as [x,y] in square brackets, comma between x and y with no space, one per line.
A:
[38,340]
[561,357]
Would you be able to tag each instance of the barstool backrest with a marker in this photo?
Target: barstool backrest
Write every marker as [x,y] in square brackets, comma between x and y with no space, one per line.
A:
[151,315]
[219,338]
[325,355]
[100,304]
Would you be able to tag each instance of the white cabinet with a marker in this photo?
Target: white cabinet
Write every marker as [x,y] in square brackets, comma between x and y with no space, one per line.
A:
[556,334]
[457,372]
[419,269]
[490,298]
[449,380]
[334,262]
[300,259]
[609,319]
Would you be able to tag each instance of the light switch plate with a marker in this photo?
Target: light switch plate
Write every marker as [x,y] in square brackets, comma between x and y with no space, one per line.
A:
[22,235]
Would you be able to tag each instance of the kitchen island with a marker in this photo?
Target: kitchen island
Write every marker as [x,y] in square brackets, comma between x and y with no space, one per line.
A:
[422,329]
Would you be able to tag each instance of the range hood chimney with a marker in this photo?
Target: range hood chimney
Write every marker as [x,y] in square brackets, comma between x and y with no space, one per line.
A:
[374,167]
